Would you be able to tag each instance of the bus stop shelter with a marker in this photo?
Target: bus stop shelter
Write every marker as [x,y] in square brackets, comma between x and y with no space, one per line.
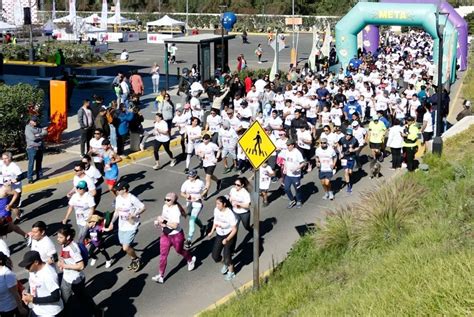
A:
[203,42]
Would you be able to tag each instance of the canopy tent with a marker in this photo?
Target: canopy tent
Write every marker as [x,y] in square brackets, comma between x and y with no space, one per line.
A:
[93,19]
[48,27]
[121,20]
[87,28]
[67,19]
[5,26]
[166,21]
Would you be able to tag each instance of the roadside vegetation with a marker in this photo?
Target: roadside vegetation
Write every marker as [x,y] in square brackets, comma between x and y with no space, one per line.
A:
[405,249]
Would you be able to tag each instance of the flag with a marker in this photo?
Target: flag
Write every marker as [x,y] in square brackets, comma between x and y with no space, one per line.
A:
[103,17]
[326,48]
[72,10]
[117,12]
[314,49]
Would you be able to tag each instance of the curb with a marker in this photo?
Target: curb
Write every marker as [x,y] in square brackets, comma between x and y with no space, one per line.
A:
[56,180]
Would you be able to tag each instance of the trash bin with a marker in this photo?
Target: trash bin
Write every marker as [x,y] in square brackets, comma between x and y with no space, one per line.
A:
[134,142]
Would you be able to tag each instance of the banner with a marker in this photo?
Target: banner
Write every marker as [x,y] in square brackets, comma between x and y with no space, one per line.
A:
[103,17]
[327,42]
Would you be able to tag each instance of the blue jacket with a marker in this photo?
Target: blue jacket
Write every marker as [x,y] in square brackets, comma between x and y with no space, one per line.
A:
[124,120]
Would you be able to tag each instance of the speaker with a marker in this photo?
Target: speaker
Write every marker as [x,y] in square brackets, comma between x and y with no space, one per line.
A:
[27,16]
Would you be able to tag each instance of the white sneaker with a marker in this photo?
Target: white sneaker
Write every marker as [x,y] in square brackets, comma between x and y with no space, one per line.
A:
[326,196]
[158,278]
[142,147]
[156,166]
[331,196]
[173,162]
[92,262]
[108,264]
[191,264]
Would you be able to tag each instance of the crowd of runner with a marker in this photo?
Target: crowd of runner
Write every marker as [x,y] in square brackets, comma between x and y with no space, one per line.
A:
[319,121]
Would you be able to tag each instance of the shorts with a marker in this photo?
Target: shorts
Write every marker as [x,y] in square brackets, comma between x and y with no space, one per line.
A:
[264,190]
[111,182]
[375,146]
[312,121]
[126,237]
[209,170]
[17,203]
[349,164]
[427,136]
[229,153]
[325,175]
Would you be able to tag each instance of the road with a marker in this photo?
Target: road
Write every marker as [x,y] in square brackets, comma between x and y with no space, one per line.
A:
[184,293]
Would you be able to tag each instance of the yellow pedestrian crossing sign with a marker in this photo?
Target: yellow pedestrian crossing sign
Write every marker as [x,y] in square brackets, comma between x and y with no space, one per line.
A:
[257,145]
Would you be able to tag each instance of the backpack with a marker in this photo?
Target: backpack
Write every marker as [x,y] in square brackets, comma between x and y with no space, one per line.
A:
[84,253]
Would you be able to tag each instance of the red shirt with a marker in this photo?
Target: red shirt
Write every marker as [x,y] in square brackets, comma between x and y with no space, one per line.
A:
[248,84]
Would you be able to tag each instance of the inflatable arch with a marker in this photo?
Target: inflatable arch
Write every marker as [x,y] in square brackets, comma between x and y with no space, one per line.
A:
[371,35]
[418,15]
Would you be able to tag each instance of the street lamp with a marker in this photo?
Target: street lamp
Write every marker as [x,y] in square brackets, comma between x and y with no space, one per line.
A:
[438,141]
[222,7]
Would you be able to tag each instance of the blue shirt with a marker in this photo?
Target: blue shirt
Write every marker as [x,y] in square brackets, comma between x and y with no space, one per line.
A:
[352,107]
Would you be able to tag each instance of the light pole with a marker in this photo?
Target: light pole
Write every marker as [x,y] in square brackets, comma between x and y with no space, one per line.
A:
[222,7]
[187,12]
[438,141]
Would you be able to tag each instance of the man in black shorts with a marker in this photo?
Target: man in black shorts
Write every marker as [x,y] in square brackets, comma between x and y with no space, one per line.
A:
[209,152]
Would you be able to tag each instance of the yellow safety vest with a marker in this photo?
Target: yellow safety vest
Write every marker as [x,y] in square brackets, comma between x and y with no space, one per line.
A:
[412,137]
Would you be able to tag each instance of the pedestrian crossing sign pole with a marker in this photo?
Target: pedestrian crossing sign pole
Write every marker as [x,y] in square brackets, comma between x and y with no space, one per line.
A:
[258,147]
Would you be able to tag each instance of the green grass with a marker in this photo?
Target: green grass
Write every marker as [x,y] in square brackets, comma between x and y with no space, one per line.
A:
[407,249]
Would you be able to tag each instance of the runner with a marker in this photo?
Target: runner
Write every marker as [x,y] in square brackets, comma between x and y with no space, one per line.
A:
[209,152]
[410,147]
[228,146]
[8,198]
[193,190]
[111,170]
[10,299]
[225,225]
[128,210]
[11,173]
[239,198]
[348,147]
[171,235]
[95,230]
[326,160]
[213,124]
[376,136]
[193,138]
[96,150]
[266,174]
[41,243]
[162,137]
[180,121]
[79,169]
[292,166]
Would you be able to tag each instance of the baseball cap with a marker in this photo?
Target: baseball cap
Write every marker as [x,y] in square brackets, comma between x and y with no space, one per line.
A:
[81,185]
[349,131]
[375,117]
[192,173]
[29,258]
[122,185]
[351,98]
[355,123]
[290,141]
[226,124]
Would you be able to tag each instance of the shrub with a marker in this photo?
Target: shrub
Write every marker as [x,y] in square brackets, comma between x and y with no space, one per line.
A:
[16,104]
[337,232]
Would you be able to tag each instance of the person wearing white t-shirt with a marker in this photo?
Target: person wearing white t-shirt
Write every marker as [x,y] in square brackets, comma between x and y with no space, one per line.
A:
[10,300]
[79,169]
[128,209]
[228,145]
[294,162]
[326,159]
[304,141]
[266,173]
[11,173]
[193,137]
[44,295]
[209,152]
[239,198]
[225,225]
[95,149]
[83,205]
[193,190]
[196,108]
[171,235]
[181,120]
[71,263]
[162,137]
[41,243]
[427,127]
[213,124]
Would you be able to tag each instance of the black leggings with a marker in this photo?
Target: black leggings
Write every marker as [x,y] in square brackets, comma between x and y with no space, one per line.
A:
[101,249]
[245,219]
[396,157]
[156,148]
[228,249]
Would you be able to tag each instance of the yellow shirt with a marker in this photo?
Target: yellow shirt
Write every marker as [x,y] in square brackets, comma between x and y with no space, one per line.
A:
[377,131]
[410,140]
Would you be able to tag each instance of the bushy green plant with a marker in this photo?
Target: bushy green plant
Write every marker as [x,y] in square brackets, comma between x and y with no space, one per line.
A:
[16,102]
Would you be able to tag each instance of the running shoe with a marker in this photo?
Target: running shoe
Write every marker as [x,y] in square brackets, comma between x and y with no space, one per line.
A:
[191,263]
[130,266]
[186,170]
[349,188]
[299,205]
[92,262]
[137,264]
[156,166]
[227,170]
[219,185]
[108,264]
[331,196]
[326,196]
[187,244]
[173,162]
[229,276]
[203,230]
[224,269]
[158,278]
[291,204]
[142,147]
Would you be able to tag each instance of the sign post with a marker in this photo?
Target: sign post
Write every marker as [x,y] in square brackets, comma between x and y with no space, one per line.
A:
[258,147]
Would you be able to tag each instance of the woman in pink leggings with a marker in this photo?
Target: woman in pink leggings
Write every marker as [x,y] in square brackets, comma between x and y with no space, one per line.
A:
[172,235]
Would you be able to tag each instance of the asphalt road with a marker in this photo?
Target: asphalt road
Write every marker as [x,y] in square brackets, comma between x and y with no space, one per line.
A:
[184,293]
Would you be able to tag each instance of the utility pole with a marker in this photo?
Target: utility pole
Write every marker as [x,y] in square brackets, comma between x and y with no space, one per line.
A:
[223,6]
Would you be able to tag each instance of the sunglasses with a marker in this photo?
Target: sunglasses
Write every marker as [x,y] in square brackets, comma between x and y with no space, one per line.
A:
[96,133]
[75,170]
[324,143]
[326,130]
[230,113]
[80,188]
[167,199]
[238,185]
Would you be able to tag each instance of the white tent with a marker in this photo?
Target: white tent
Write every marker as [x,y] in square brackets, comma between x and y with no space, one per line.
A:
[5,26]
[93,19]
[92,29]
[67,19]
[166,21]
[121,20]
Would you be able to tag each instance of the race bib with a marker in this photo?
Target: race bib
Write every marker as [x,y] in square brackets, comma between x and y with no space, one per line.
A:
[343,162]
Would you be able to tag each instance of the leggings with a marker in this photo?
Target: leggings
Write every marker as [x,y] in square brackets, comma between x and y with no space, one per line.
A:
[166,242]
[245,219]
[396,157]
[194,211]
[228,249]
[101,249]
[156,147]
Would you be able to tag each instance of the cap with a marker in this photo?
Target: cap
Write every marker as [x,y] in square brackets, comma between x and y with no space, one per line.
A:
[351,98]
[467,103]
[103,108]
[81,185]
[179,107]
[192,173]
[34,118]
[226,124]
[122,185]
[29,258]
[94,218]
[290,141]
[349,131]
[355,123]
[375,117]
